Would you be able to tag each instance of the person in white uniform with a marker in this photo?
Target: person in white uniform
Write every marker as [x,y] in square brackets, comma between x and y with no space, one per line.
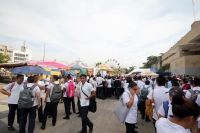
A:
[50,106]
[185,115]
[109,91]
[85,89]
[13,90]
[166,108]
[32,111]
[158,95]
[41,85]
[130,99]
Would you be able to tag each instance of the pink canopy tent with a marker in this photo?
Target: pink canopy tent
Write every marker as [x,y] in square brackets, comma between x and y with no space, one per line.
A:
[48,63]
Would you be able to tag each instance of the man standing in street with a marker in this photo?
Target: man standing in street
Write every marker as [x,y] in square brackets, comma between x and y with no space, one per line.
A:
[86,93]
[117,85]
[31,112]
[53,91]
[41,85]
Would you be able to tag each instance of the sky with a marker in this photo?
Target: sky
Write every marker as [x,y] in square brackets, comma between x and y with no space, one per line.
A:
[96,30]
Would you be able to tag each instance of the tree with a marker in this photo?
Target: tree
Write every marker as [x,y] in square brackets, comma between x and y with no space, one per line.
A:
[127,70]
[4,58]
[164,68]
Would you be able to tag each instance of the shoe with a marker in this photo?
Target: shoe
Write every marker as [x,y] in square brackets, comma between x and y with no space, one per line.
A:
[54,124]
[42,127]
[135,131]
[116,98]
[50,116]
[79,115]
[70,113]
[136,127]
[91,129]
[147,120]
[11,128]
[67,117]
[80,132]
[142,117]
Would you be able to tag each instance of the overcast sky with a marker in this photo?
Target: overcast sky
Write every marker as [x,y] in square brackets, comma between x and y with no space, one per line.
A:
[96,30]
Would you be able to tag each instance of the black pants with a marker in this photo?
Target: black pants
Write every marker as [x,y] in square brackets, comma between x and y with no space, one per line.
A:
[113,91]
[154,124]
[117,92]
[85,120]
[11,114]
[109,92]
[130,128]
[31,113]
[50,106]
[71,101]
[79,105]
[99,92]
[143,109]
[67,106]
[40,112]
[104,92]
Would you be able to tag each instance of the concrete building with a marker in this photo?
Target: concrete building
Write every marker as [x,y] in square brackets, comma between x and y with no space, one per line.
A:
[184,56]
[5,50]
[15,55]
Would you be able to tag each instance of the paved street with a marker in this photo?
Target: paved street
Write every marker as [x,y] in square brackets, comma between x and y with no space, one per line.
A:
[104,120]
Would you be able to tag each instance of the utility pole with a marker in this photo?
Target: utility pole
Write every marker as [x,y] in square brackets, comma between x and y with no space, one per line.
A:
[44,53]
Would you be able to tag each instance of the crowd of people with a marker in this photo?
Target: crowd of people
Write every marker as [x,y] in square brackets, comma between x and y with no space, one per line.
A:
[171,103]
[26,96]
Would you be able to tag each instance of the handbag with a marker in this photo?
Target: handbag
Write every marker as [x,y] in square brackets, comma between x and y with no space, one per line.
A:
[93,103]
[121,110]
[149,109]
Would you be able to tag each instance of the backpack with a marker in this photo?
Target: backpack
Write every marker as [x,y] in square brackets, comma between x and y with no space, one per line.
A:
[166,107]
[144,93]
[71,89]
[26,98]
[194,94]
[56,94]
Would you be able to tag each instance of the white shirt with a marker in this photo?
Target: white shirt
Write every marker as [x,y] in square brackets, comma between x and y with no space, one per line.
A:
[14,97]
[87,89]
[165,126]
[66,87]
[34,91]
[91,80]
[100,81]
[51,90]
[41,83]
[46,81]
[109,83]
[78,88]
[126,86]
[94,83]
[140,84]
[159,97]
[132,114]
